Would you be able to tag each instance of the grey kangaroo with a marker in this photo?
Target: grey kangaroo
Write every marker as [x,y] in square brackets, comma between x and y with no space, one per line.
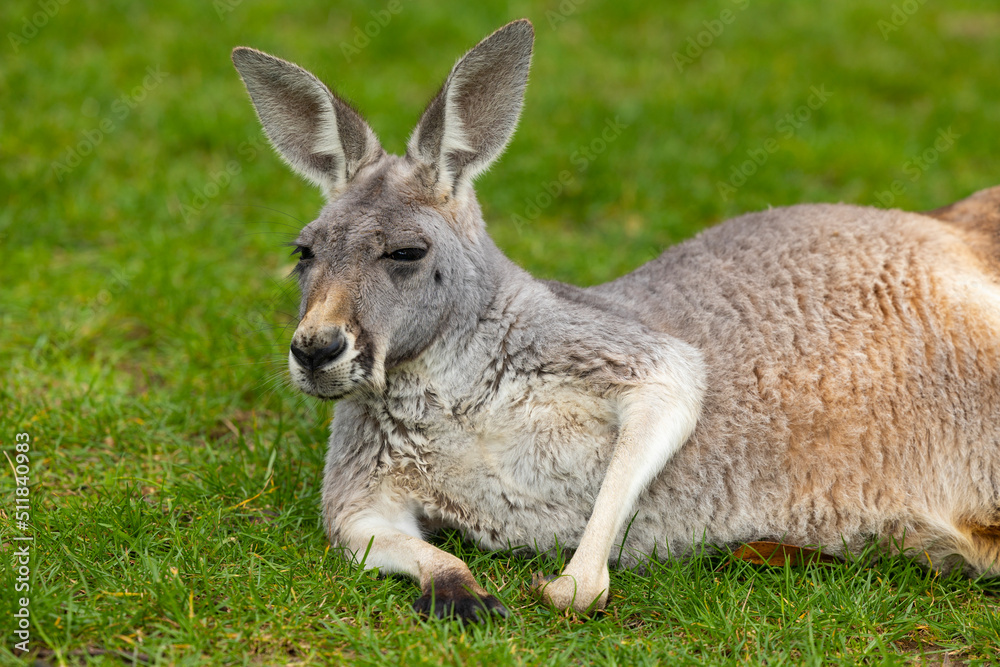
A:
[822,375]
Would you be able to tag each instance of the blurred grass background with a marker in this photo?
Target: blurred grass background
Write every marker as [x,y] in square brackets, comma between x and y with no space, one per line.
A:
[144,301]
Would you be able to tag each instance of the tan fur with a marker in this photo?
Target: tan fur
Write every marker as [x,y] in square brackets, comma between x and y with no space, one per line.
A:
[979,215]
[329,305]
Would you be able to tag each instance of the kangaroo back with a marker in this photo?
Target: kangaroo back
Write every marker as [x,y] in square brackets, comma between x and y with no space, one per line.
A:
[979,215]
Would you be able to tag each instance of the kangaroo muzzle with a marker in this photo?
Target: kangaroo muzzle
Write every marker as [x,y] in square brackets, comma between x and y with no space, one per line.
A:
[315,357]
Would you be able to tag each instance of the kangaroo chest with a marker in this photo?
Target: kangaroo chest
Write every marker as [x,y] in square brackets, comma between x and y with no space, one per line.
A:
[523,468]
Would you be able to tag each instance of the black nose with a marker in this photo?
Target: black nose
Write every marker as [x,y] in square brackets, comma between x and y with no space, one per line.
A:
[313,359]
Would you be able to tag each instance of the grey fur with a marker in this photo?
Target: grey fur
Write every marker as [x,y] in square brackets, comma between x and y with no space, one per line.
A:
[468,124]
[820,374]
[302,117]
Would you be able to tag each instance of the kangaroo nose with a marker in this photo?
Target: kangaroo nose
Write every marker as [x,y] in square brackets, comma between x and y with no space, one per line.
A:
[315,358]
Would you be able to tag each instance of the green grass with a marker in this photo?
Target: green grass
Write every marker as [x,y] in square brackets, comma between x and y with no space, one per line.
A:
[144,309]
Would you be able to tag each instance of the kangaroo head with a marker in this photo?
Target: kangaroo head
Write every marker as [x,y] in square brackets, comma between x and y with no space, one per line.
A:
[400,250]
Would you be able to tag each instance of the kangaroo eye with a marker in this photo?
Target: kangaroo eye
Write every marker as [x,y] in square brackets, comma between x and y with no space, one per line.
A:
[304,252]
[406,254]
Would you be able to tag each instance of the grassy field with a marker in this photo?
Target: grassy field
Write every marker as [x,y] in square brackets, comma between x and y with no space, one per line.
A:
[145,306]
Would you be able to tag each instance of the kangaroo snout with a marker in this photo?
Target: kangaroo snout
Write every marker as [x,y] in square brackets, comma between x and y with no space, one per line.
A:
[320,339]
[314,356]
[323,360]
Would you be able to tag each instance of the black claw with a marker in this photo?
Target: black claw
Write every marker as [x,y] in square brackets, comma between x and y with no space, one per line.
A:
[464,607]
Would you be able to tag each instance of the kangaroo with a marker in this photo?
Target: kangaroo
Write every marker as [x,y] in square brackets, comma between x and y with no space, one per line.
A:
[823,375]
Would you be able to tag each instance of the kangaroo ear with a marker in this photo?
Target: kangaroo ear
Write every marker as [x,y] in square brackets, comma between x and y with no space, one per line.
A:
[318,134]
[466,127]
